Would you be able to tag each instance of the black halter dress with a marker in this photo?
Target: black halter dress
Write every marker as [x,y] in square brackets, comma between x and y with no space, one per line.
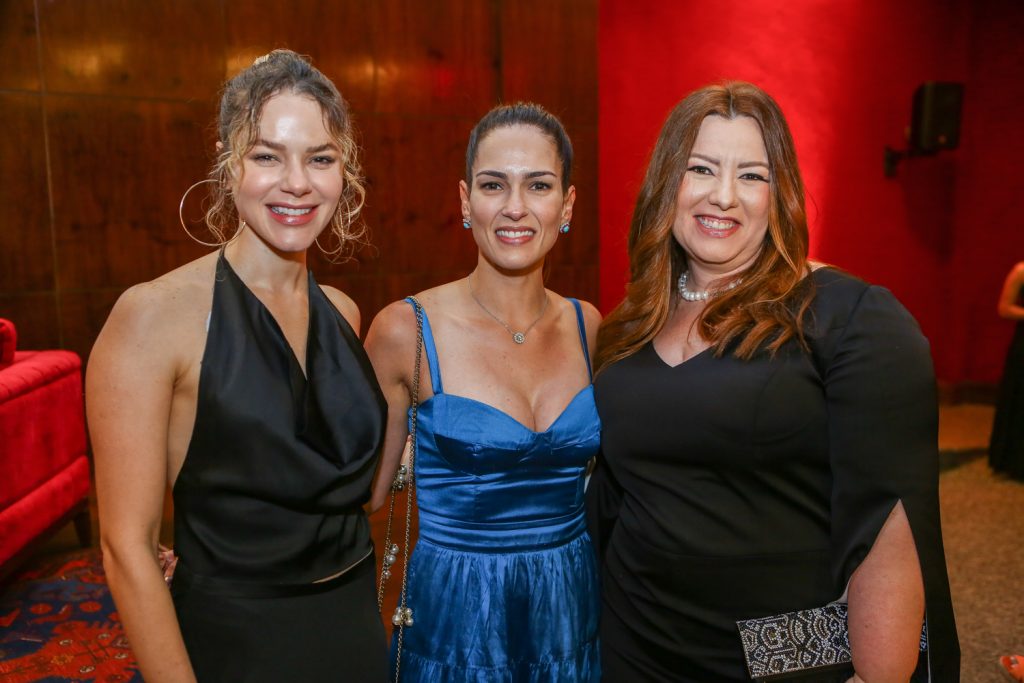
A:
[269,500]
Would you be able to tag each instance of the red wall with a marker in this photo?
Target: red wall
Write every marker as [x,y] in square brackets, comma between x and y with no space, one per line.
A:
[989,234]
[844,73]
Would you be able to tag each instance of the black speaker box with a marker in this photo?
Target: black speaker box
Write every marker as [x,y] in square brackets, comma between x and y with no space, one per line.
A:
[936,118]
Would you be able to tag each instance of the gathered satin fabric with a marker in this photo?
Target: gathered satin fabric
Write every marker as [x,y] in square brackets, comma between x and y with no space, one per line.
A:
[503,580]
[269,499]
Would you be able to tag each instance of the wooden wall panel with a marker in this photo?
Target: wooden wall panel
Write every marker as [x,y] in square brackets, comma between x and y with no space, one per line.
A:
[18,45]
[372,293]
[82,314]
[413,168]
[137,157]
[35,316]
[582,237]
[333,34]
[157,48]
[128,91]
[26,249]
[435,58]
[576,281]
[416,240]
[549,55]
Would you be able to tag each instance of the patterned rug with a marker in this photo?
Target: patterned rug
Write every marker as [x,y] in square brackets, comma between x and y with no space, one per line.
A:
[58,623]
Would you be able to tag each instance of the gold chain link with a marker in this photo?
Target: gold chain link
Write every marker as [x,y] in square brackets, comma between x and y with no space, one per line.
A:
[410,486]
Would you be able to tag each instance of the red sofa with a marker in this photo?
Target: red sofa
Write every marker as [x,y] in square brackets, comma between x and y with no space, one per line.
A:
[44,470]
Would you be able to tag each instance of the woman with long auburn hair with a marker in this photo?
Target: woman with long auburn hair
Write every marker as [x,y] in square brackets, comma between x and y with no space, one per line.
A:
[769,425]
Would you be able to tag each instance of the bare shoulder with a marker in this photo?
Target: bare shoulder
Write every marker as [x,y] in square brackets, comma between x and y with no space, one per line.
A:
[157,316]
[345,305]
[391,342]
[591,316]
[442,297]
[1017,273]
[393,328]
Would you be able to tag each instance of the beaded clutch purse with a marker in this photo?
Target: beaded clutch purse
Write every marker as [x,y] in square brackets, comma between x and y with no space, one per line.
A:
[799,643]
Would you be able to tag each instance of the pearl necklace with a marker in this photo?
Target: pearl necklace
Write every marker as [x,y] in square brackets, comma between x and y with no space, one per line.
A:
[704,294]
[517,337]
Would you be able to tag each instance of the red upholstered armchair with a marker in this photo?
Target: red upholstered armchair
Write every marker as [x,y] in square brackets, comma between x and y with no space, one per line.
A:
[44,471]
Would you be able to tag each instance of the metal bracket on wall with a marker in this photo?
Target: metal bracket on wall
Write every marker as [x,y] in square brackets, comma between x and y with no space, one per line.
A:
[894,156]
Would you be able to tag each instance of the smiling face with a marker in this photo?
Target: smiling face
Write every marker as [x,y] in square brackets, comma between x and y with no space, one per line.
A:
[291,179]
[724,199]
[516,203]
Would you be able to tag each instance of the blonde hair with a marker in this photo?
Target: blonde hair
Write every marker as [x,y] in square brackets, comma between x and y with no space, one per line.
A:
[241,105]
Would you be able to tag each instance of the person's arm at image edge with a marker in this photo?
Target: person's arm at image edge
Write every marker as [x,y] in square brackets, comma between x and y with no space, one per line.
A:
[129,388]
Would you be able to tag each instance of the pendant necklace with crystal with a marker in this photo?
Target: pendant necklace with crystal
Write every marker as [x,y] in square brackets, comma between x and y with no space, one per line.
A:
[517,337]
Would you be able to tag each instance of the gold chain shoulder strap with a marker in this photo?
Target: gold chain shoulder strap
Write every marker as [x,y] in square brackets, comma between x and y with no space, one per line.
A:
[405,478]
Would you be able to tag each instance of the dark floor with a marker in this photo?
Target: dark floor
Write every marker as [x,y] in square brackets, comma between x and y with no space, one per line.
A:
[983,528]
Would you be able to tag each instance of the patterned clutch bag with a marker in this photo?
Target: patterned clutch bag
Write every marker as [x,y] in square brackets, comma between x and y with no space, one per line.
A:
[799,643]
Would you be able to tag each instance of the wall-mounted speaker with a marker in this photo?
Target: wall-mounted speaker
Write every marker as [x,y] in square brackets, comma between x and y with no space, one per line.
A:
[935,122]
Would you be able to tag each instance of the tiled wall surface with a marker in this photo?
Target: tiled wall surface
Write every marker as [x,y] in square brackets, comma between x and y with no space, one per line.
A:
[108,106]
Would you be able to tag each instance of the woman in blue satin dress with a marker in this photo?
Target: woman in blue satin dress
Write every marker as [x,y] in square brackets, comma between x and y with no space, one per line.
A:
[503,580]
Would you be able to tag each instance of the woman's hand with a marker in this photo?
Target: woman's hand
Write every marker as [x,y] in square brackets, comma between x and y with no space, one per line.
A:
[168,561]
[857,679]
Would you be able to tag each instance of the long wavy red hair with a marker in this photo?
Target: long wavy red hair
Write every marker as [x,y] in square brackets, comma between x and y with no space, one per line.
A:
[766,308]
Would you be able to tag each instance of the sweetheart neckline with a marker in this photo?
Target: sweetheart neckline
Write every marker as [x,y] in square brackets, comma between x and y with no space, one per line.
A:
[501,412]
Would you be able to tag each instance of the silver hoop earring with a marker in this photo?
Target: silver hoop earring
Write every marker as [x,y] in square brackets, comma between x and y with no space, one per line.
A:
[181,217]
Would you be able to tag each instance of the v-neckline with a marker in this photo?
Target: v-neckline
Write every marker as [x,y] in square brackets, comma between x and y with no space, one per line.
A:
[681,363]
[275,325]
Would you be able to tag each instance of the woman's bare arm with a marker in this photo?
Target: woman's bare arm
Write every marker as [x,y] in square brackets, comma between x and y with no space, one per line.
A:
[886,606]
[1008,307]
[391,346]
[129,389]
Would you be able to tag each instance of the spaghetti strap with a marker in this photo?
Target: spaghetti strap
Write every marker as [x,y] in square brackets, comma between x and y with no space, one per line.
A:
[583,335]
[428,346]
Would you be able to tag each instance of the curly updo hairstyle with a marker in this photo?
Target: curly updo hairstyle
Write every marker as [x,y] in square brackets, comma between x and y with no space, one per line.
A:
[238,125]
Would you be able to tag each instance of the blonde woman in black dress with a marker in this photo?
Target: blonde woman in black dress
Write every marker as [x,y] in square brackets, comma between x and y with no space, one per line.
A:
[241,384]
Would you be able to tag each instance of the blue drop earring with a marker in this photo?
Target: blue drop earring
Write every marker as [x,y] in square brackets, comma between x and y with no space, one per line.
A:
[564,229]
[466,225]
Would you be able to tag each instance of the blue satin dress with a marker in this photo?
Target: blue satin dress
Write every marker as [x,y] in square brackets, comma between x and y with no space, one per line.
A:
[503,580]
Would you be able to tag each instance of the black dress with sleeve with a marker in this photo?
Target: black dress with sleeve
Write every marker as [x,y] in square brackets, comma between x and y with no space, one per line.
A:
[268,502]
[731,489]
